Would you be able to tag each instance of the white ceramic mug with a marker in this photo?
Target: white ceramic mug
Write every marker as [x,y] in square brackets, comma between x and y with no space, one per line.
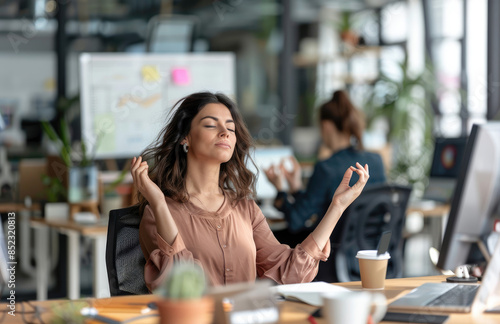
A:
[353,307]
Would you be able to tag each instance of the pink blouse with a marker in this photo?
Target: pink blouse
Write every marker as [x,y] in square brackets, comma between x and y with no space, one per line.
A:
[234,244]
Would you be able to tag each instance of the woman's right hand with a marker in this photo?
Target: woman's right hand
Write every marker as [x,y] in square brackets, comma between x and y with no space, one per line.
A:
[294,176]
[144,184]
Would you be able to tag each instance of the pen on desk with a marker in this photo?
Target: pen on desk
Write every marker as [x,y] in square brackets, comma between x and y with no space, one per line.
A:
[123,308]
[312,320]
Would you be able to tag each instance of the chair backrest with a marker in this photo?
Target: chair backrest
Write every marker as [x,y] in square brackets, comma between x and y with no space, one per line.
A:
[379,208]
[124,258]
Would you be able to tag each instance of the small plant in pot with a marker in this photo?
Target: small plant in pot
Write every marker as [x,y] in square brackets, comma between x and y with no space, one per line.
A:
[183,299]
[347,30]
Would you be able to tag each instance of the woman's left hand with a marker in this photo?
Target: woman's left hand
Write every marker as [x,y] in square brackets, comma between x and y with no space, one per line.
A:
[345,195]
[274,176]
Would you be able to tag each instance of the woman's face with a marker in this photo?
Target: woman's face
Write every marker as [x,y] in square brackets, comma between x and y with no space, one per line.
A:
[212,136]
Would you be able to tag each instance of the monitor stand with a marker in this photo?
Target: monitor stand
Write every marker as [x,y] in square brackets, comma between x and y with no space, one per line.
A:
[472,279]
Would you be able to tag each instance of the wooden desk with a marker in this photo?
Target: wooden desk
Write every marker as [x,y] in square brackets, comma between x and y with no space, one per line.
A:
[97,232]
[17,207]
[291,312]
[434,211]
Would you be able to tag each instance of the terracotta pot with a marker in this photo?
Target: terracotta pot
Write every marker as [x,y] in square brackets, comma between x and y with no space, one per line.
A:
[350,37]
[196,311]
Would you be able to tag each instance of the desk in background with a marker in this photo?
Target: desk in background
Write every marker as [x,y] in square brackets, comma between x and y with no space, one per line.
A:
[437,214]
[17,207]
[97,232]
[291,312]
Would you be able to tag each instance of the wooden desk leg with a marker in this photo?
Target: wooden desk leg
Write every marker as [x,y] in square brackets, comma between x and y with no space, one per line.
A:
[25,251]
[42,259]
[73,264]
[100,284]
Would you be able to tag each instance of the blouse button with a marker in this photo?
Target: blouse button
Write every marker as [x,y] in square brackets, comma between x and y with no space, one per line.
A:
[224,245]
[228,269]
[218,226]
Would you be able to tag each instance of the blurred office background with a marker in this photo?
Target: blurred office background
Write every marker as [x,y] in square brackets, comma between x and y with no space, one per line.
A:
[419,69]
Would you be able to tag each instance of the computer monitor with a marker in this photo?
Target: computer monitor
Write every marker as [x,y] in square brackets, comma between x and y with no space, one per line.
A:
[446,161]
[476,197]
[448,155]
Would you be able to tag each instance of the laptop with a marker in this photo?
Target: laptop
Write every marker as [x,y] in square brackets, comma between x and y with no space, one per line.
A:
[446,160]
[444,298]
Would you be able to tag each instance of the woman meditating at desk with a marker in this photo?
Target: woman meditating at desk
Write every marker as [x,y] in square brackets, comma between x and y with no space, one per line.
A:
[195,196]
[341,125]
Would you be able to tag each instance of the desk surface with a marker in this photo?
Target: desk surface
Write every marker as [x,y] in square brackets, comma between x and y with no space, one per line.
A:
[292,313]
[17,207]
[83,229]
[437,210]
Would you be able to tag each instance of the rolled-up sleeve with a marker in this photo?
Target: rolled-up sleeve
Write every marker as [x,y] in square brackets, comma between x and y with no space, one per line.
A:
[281,263]
[158,253]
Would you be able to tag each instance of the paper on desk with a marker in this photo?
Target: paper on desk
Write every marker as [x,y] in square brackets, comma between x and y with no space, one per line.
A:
[310,293]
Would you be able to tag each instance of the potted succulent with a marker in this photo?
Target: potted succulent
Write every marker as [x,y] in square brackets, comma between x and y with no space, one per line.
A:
[183,299]
[68,313]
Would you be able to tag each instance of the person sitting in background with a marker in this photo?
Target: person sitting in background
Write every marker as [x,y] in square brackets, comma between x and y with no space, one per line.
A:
[342,128]
[196,202]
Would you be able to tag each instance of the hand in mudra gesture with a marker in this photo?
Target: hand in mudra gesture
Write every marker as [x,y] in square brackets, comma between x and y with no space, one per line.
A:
[144,184]
[345,195]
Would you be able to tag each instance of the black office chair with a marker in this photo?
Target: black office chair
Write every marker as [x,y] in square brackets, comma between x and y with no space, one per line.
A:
[379,208]
[124,258]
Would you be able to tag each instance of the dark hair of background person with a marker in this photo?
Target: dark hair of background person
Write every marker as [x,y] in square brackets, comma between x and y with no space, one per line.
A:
[344,116]
[168,161]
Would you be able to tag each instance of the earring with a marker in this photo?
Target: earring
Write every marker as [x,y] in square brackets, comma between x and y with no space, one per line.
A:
[185,147]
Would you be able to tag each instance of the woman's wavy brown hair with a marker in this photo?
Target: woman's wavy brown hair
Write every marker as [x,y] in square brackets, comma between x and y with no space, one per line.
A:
[342,113]
[168,162]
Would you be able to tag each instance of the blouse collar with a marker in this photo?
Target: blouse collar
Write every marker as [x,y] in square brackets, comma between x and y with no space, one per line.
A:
[222,212]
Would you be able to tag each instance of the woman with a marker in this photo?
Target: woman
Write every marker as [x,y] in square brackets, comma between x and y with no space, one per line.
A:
[196,202]
[342,127]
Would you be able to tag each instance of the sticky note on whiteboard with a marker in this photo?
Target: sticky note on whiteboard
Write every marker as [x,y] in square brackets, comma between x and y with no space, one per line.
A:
[180,76]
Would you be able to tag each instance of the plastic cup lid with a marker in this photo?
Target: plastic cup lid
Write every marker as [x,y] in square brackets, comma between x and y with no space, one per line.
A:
[372,255]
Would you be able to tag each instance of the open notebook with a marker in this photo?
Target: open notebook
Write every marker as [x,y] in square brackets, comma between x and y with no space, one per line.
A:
[310,293]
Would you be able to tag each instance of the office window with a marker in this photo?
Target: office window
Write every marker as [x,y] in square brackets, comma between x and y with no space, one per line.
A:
[477,58]
[458,47]
[394,22]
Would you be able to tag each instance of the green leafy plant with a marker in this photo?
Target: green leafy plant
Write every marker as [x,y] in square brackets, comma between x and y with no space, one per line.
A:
[404,101]
[55,189]
[186,280]
[346,22]
[346,28]
[62,138]
[71,155]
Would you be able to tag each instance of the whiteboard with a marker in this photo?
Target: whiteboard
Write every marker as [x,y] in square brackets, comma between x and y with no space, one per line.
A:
[125,98]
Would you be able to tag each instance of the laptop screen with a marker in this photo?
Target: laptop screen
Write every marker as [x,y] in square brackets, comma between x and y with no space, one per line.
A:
[448,155]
